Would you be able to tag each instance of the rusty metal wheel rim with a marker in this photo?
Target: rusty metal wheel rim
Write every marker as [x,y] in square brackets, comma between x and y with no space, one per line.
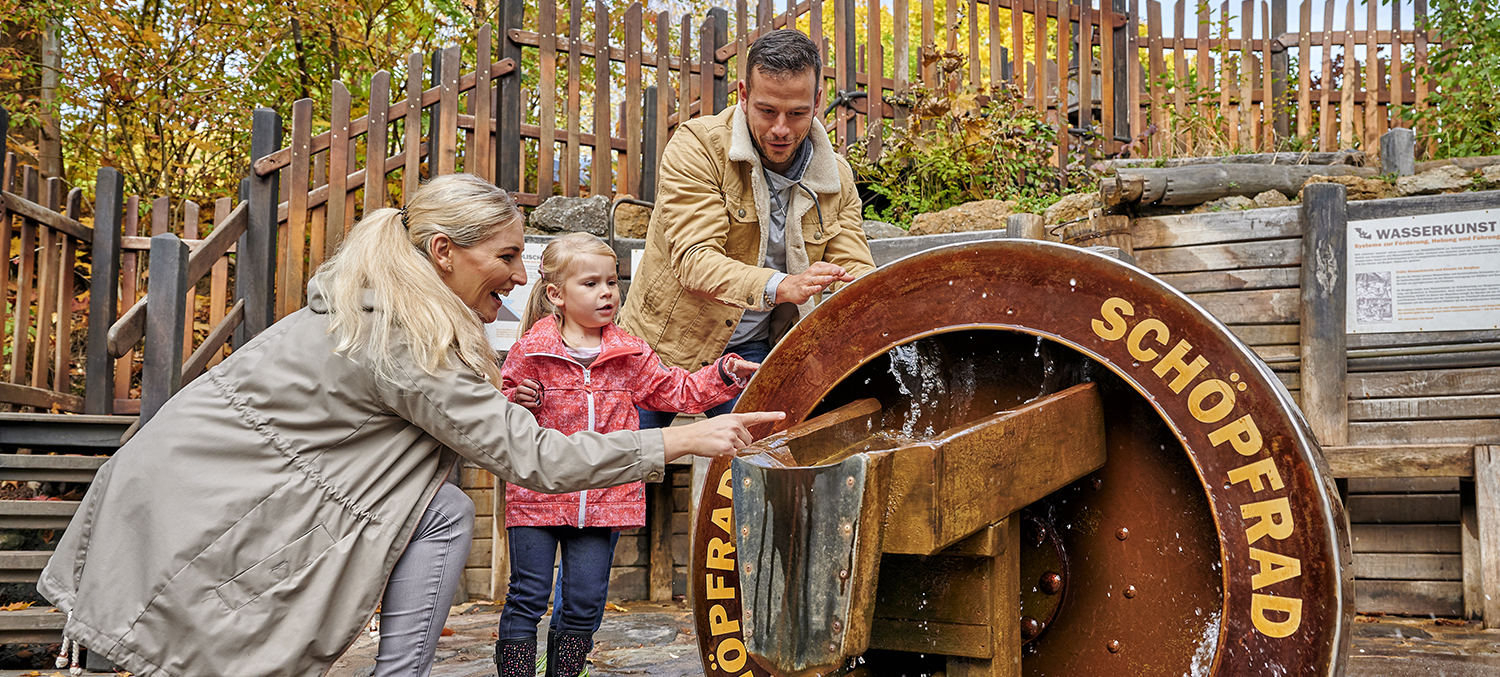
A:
[1078,298]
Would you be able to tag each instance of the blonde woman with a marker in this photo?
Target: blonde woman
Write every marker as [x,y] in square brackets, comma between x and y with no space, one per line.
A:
[251,527]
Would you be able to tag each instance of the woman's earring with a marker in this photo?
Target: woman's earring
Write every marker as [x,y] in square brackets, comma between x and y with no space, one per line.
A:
[450,267]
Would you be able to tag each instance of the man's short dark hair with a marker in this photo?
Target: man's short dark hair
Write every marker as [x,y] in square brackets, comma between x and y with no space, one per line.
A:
[783,53]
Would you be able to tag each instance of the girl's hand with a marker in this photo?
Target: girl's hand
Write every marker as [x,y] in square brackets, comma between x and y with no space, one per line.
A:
[528,394]
[741,369]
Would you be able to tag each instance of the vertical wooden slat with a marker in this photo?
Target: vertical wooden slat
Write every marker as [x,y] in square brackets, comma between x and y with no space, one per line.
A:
[1177,135]
[1107,73]
[411,176]
[1419,72]
[997,68]
[218,286]
[547,97]
[848,65]
[1370,138]
[1204,56]
[630,165]
[62,368]
[104,289]
[1041,82]
[375,143]
[765,15]
[815,21]
[1154,77]
[1086,67]
[1017,43]
[1487,509]
[1398,85]
[841,58]
[1268,84]
[575,98]
[482,98]
[1324,349]
[189,232]
[446,126]
[317,217]
[161,374]
[1325,88]
[659,557]
[296,213]
[601,169]
[1064,40]
[901,54]
[510,98]
[742,36]
[130,275]
[663,92]
[1225,80]
[974,60]
[1245,133]
[684,71]
[1133,70]
[875,103]
[7,228]
[25,279]
[1347,116]
[338,159]
[929,44]
[1304,75]
[46,287]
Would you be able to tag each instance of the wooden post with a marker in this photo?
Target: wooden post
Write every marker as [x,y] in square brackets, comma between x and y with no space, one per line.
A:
[718,17]
[1325,398]
[1120,75]
[848,65]
[161,375]
[508,129]
[1025,227]
[1469,547]
[255,271]
[1279,65]
[1398,152]
[104,291]
[1487,500]
[649,151]
[659,562]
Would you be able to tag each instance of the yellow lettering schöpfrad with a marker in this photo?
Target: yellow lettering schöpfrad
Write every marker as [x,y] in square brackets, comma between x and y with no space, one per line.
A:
[1202,392]
[716,589]
[726,484]
[1291,606]
[719,623]
[1272,518]
[1111,311]
[1254,471]
[730,662]
[1274,568]
[723,518]
[1242,432]
[1186,372]
[718,555]
[1138,337]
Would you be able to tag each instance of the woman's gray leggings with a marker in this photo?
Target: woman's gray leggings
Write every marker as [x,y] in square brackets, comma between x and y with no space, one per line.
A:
[422,586]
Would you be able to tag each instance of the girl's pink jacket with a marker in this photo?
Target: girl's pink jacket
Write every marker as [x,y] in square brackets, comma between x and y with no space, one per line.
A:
[602,398]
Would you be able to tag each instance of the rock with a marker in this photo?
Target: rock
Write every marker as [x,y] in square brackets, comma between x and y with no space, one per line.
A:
[1360,188]
[1441,180]
[1272,198]
[879,230]
[569,214]
[972,216]
[1227,204]
[1070,207]
[631,221]
[1491,175]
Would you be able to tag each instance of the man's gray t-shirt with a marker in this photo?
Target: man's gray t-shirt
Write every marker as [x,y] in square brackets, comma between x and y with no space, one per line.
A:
[753,325]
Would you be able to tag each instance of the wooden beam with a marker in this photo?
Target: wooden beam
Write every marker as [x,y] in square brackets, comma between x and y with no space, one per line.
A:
[1325,398]
[659,530]
[1487,500]
[1412,460]
[47,217]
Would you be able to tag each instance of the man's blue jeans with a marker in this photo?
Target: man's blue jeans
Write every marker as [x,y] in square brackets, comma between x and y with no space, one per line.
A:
[754,351]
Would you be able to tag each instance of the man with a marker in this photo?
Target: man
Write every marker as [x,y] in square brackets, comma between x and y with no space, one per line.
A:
[755,216]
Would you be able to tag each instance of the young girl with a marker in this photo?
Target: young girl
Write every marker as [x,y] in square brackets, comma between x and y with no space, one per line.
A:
[575,370]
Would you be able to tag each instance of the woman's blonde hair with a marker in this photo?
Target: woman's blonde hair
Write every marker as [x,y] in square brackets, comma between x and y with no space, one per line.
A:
[557,264]
[389,253]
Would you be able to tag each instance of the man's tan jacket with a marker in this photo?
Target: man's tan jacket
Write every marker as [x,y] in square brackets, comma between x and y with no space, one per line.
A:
[707,238]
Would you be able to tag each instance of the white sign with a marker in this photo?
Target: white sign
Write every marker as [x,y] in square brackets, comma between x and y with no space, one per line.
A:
[506,328]
[1437,272]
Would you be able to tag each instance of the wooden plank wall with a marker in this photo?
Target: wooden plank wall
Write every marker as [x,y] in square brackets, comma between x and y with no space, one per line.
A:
[1435,395]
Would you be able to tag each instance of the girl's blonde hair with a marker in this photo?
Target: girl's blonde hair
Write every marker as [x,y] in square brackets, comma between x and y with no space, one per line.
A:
[389,253]
[557,264]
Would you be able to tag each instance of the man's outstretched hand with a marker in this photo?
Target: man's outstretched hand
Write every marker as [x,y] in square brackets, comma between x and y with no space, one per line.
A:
[718,436]
[802,286]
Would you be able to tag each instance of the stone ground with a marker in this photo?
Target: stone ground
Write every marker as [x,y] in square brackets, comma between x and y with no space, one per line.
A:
[656,640]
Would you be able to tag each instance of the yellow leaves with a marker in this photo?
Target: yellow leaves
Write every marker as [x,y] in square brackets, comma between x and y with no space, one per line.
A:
[17,606]
[615,607]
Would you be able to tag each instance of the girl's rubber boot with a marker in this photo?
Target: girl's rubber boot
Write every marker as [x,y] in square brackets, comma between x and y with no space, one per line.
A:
[516,657]
[568,653]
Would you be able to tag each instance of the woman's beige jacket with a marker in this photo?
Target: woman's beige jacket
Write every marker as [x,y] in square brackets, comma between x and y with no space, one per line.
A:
[249,528]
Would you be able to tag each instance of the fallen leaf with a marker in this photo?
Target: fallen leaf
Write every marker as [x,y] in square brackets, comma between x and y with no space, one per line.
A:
[615,607]
[447,632]
[16,606]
